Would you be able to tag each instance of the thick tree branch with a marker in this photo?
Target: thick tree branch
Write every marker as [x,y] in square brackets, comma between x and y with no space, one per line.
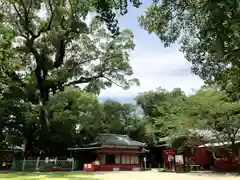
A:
[21,31]
[36,54]
[26,19]
[37,72]
[60,54]
[113,82]
[52,14]
[18,13]
[50,21]
[89,79]
[84,80]
[61,49]
[235,133]
[30,6]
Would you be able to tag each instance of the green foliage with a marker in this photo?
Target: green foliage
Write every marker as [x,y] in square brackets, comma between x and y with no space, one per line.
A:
[73,105]
[207,115]
[47,46]
[123,119]
[179,143]
[75,120]
[52,43]
[212,110]
[163,110]
[47,50]
[78,116]
[209,34]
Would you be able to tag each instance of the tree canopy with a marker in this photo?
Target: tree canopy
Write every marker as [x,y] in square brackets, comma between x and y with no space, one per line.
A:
[163,110]
[208,115]
[212,110]
[209,34]
[54,63]
[46,46]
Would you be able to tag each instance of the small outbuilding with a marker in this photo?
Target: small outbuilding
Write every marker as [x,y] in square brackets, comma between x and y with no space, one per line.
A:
[110,152]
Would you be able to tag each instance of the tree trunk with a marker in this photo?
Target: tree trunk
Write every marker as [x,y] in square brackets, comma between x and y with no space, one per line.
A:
[44,120]
[28,147]
[235,150]
[30,138]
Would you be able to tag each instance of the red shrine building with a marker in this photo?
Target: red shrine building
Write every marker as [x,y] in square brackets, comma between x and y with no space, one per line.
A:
[110,152]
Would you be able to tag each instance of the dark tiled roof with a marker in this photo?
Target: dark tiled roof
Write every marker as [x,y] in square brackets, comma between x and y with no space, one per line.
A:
[116,139]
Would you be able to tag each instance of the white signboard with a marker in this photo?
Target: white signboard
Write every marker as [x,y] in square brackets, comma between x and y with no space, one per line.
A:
[179,159]
[96,163]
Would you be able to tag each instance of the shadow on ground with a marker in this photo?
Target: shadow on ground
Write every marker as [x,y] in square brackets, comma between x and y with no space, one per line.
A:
[215,173]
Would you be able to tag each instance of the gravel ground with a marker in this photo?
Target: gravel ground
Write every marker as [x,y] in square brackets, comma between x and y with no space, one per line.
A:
[149,175]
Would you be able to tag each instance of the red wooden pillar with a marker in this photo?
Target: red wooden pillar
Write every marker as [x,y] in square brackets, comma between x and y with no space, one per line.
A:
[70,154]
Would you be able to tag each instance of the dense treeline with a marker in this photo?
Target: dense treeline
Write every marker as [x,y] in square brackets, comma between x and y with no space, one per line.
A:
[209,115]
[53,65]
[208,33]
[78,116]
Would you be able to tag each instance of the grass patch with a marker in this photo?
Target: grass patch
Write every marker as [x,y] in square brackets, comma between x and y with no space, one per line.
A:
[47,176]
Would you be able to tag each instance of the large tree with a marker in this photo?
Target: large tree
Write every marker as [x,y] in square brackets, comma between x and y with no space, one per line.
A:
[47,45]
[209,34]
[121,118]
[75,121]
[207,115]
[212,111]
[164,111]
[17,114]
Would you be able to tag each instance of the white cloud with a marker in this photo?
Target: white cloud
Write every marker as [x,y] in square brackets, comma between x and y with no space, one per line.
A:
[164,68]
[154,65]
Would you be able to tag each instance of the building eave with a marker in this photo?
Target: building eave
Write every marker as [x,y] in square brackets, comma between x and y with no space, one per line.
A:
[83,148]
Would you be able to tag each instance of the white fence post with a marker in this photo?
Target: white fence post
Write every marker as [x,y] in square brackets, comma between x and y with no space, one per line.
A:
[23,164]
[145,162]
[37,163]
[72,164]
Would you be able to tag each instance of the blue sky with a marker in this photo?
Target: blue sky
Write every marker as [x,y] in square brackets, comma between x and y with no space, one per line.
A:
[154,65]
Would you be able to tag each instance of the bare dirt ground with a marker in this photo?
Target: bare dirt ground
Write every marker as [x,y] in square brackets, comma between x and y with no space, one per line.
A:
[149,175]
